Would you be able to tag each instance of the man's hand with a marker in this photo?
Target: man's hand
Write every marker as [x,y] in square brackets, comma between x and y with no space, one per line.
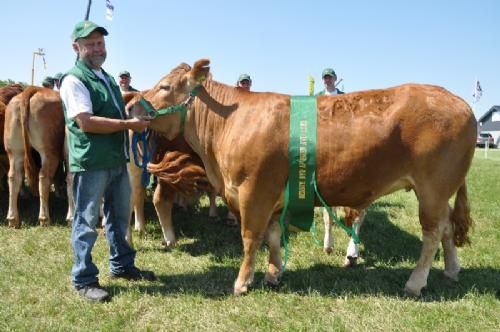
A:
[137,124]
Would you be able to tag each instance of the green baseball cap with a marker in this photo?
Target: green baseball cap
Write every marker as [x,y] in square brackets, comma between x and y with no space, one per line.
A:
[244,77]
[84,28]
[58,76]
[328,72]
[48,81]
[124,73]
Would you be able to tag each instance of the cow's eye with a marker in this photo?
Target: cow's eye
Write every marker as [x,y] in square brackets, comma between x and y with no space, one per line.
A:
[165,87]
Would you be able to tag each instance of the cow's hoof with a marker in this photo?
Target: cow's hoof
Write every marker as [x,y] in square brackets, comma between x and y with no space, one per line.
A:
[271,283]
[411,292]
[69,221]
[350,261]
[452,276]
[44,222]
[13,223]
[241,288]
[168,244]
[239,291]
[328,250]
[272,278]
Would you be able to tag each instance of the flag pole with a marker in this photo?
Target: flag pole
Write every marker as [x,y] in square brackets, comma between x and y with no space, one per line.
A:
[87,13]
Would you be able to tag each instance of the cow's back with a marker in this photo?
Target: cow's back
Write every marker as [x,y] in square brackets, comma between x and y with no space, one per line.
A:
[375,142]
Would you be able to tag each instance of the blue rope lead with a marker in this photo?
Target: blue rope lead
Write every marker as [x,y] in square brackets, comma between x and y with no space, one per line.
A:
[147,154]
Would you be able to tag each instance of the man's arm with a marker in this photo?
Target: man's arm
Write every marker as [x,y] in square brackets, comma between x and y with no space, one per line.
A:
[91,123]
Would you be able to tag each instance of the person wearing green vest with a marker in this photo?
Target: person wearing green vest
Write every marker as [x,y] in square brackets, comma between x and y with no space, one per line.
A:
[97,138]
[125,79]
[329,78]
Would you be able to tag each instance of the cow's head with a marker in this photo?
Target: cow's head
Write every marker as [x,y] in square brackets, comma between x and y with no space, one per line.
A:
[173,89]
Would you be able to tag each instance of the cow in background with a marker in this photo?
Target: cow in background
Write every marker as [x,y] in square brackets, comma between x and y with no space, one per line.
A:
[180,174]
[6,94]
[422,139]
[353,219]
[33,120]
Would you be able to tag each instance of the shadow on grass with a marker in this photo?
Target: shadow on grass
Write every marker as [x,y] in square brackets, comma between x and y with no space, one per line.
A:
[326,280]
[29,207]
[384,241]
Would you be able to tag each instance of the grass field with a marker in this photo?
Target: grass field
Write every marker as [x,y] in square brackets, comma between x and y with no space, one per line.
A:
[194,290]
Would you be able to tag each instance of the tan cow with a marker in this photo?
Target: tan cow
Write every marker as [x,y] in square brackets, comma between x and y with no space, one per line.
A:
[33,119]
[6,94]
[422,137]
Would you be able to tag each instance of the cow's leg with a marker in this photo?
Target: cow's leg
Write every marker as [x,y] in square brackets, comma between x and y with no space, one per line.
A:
[273,239]
[163,201]
[434,217]
[69,185]
[138,195]
[327,240]
[255,214]
[212,212]
[451,263]
[69,193]
[47,172]
[352,252]
[15,181]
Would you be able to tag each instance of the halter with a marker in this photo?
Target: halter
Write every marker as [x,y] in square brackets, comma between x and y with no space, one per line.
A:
[178,108]
[146,136]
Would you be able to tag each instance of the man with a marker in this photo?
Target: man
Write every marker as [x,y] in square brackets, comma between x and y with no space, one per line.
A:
[48,82]
[329,79]
[57,81]
[98,154]
[244,82]
[125,79]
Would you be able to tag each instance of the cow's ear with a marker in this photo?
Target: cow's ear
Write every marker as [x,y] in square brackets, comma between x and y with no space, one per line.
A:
[200,70]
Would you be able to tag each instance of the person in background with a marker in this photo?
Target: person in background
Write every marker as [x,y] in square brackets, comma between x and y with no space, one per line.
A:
[124,81]
[329,79]
[48,82]
[57,81]
[244,82]
[97,139]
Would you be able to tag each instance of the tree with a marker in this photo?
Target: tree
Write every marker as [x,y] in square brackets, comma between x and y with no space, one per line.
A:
[9,81]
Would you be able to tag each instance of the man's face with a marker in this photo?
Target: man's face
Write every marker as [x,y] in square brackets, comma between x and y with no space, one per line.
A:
[329,80]
[91,50]
[124,82]
[245,84]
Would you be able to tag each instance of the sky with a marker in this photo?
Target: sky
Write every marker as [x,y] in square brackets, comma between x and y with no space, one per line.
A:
[371,44]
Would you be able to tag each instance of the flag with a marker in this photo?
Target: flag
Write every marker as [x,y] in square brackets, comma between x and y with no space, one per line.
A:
[109,10]
[478,92]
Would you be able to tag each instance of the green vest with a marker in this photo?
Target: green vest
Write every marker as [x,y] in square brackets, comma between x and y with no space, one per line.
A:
[90,151]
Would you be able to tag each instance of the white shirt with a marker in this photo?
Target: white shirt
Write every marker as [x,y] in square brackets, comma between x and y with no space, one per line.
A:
[332,93]
[76,96]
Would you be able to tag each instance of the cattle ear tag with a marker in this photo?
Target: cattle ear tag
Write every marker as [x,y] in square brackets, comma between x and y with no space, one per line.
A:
[201,78]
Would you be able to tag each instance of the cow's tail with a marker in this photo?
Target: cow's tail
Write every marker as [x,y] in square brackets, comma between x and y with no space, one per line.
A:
[460,217]
[30,167]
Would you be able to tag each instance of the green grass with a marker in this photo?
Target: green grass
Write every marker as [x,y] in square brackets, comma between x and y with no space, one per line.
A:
[194,290]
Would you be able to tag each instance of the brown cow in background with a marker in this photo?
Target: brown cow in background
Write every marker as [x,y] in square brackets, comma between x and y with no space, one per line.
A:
[422,138]
[33,119]
[6,94]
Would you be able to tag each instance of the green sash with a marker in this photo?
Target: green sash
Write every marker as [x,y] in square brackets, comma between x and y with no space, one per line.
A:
[302,161]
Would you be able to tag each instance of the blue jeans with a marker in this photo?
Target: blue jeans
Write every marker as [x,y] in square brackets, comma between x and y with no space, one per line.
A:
[89,188]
